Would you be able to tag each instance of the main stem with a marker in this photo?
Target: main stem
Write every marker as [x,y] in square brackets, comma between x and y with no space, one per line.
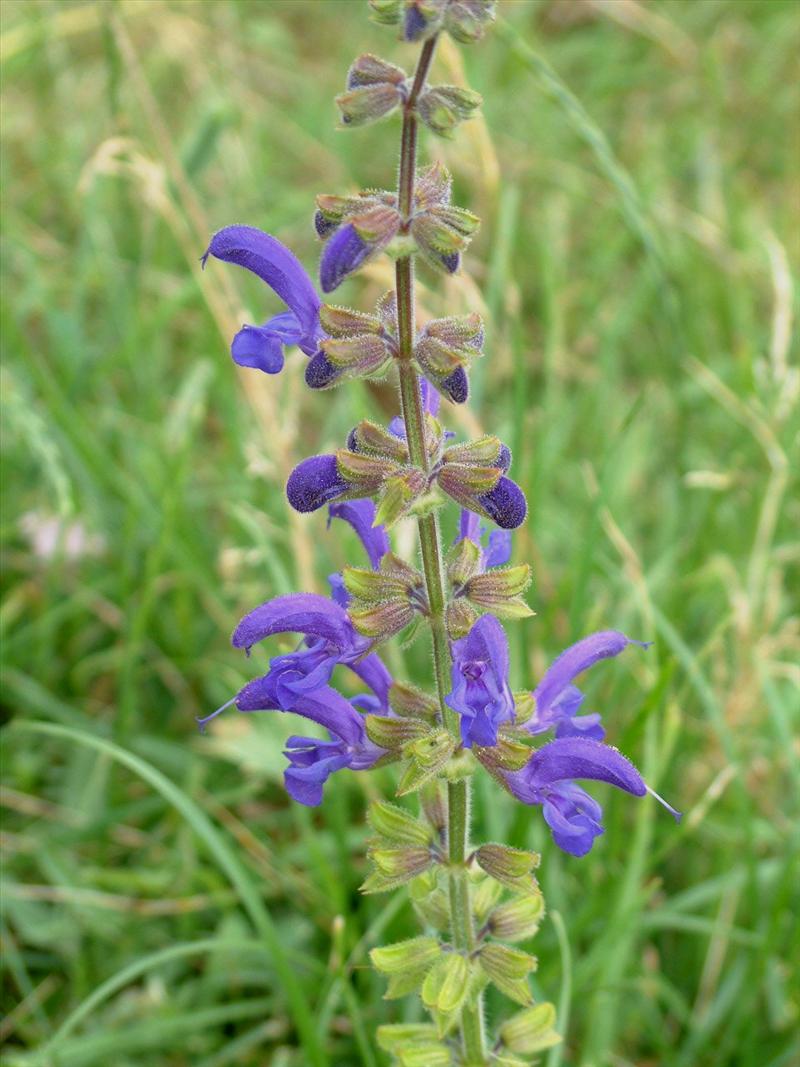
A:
[462,929]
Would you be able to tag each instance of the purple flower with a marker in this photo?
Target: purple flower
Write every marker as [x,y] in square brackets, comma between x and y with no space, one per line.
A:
[505,504]
[297,682]
[498,550]
[314,482]
[547,779]
[262,347]
[481,694]
[343,254]
[360,514]
[557,699]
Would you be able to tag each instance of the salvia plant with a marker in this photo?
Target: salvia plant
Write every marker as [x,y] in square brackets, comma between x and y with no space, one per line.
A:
[476,902]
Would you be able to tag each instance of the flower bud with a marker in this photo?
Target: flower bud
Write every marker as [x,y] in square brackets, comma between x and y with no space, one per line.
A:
[433,906]
[396,824]
[456,387]
[361,355]
[505,504]
[398,495]
[373,586]
[346,322]
[466,20]
[411,702]
[413,954]
[383,620]
[401,863]
[460,618]
[499,591]
[314,482]
[377,441]
[372,70]
[433,186]
[321,373]
[434,806]
[512,867]
[446,986]
[445,106]
[505,755]
[365,472]
[485,895]
[390,733]
[508,969]
[427,757]
[519,919]
[465,561]
[386,12]
[467,485]
[422,18]
[368,103]
[458,330]
[483,452]
[530,1031]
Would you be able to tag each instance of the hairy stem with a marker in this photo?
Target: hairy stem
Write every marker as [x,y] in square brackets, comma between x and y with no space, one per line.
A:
[461,922]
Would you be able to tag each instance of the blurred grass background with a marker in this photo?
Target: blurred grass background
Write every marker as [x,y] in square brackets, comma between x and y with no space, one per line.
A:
[162,903]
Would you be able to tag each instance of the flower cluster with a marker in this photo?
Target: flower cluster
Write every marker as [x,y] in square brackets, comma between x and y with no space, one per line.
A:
[409,469]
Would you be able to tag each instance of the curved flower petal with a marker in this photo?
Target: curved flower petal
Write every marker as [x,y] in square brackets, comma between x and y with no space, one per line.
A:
[261,347]
[374,673]
[573,661]
[360,514]
[573,817]
[579,758]
[265,256]
[311,763]
[505,504]
[325,707]
[343,254]
[302,613]
[314,482]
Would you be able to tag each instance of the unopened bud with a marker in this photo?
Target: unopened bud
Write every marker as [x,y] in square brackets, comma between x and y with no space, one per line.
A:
[368,103]
[401,863]
[531,1031]
[482,452]
[505,755]
[387,13]
[465,561]
[368,472]
[346,322]
[434,909]
[372,70]
[426,758]
[467,485]
[398,495]
[484,897]
[396,824]
[508,969]
[413,954]
[505,504]
[458,330]
[459,618]
[467,20]
[390,733]
[359,355]
[512,867]
[373,586]
[519,919]
[434,806]
[377,441]
[381,621]
[411,702]
[425,1054]
[447,984]
[445,106]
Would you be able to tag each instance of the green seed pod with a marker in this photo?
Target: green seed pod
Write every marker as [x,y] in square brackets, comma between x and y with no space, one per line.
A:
[413,954]
[518,919]
[531,1031]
